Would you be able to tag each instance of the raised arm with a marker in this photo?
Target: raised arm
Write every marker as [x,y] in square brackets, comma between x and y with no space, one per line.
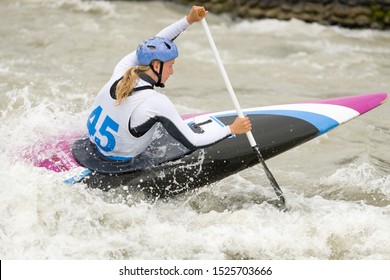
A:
[170,32]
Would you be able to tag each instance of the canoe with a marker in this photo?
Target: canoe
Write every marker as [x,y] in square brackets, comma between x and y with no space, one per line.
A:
[167,168]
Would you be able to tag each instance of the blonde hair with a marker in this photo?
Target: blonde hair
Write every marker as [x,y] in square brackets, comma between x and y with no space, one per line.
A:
[127,84]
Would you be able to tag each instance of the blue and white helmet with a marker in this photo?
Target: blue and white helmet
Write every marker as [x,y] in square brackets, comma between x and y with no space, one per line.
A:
[156,48]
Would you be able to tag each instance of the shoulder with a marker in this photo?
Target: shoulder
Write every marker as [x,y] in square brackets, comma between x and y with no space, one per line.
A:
[125,63]
[162,96]
[155,96]
[151,99]
[159,103]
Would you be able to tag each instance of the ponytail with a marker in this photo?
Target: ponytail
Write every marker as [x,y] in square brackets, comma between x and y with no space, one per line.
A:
[128,82]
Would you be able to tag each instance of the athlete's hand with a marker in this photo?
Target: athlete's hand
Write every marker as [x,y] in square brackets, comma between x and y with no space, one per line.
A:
[241,125]
[196,14]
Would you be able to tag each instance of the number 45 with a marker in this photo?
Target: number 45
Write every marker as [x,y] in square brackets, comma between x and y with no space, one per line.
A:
[108,123]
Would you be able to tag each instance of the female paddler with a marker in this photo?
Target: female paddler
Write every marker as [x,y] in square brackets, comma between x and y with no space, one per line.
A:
[126,111]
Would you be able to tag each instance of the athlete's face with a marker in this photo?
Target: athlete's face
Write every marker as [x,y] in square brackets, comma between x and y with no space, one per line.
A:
[167,70]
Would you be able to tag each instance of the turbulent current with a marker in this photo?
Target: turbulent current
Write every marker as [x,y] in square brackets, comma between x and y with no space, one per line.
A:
[54,57]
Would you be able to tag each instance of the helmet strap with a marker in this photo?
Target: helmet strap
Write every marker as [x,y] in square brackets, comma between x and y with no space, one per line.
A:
[158,74]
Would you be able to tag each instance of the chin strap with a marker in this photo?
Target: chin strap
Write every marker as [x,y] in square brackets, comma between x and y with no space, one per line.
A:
[158,74]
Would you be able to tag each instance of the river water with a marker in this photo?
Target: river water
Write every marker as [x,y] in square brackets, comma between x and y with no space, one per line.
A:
[54,57]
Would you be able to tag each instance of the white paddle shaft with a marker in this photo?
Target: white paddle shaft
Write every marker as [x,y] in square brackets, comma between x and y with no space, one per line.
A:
[282,201]
[225,77]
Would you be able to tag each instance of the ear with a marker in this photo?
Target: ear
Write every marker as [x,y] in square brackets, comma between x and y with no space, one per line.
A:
[156,65]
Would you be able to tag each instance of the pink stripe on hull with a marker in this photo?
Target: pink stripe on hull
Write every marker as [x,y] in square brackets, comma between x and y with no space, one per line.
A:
[53,155]
[188,116]
[360,103]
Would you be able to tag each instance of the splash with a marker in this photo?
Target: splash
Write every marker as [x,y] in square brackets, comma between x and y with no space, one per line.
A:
[358,182]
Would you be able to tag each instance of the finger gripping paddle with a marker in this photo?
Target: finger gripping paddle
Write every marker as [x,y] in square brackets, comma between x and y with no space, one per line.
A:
[252,141]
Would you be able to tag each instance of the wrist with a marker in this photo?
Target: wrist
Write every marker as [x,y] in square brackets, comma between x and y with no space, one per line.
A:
[189,20]
[231,129]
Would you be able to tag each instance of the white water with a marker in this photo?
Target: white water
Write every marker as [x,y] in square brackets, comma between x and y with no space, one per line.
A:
[55,56]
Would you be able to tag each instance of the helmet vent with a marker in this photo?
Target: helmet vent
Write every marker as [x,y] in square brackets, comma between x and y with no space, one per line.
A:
[151,47]
[168,46]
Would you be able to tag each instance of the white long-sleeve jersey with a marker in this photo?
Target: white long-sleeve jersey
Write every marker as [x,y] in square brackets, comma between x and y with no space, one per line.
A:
[121,132]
